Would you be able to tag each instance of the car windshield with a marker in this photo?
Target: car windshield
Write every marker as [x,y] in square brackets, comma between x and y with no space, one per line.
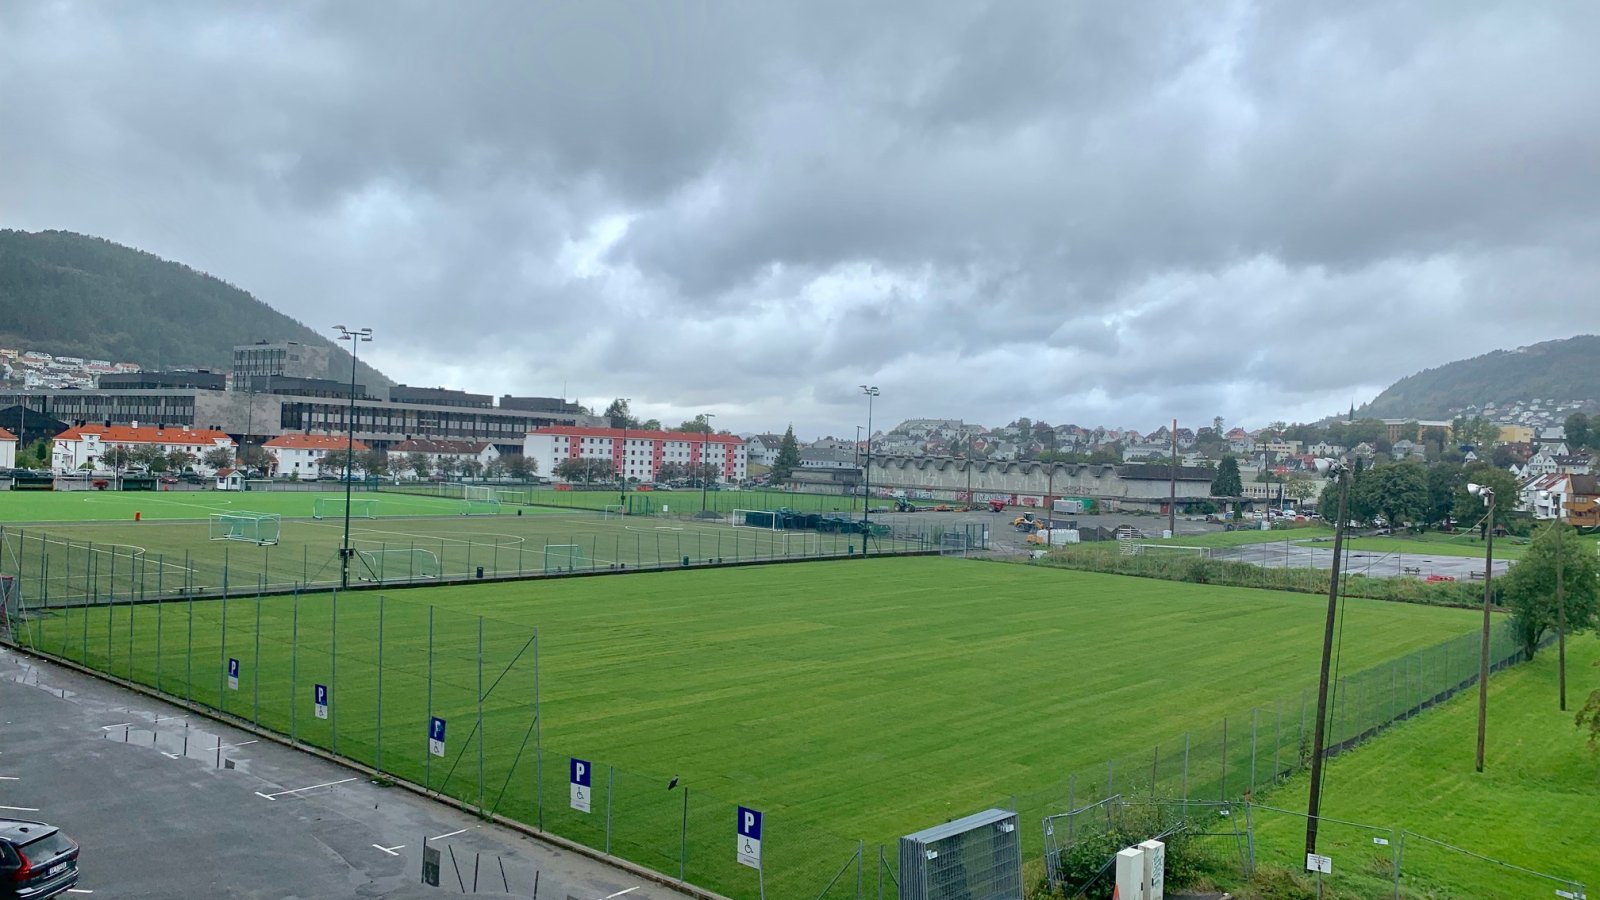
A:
[48,847]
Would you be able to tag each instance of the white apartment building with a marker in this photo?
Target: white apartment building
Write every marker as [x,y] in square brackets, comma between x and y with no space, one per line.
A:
[298,454]
[636,454]
[86,444]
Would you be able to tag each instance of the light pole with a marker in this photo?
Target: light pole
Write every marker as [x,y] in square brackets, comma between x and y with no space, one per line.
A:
[866,504]
[1330,468]
[858,465]
[622,470]
[705,468]
[355,338]
[1487,494]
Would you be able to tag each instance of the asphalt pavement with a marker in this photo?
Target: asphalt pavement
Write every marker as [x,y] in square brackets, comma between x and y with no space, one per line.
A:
[170,805]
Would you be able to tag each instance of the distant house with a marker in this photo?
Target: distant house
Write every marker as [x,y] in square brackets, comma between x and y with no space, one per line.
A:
[456,452]
[8,449]
[299,454]
[230,480]
[762,449]
[86,445]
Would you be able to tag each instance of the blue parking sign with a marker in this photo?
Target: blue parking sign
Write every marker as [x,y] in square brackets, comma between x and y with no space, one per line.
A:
[579,773]
[320,699]
[436,736]
[233,674]
[749,827]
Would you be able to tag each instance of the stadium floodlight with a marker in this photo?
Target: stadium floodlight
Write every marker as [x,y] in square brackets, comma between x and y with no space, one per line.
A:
[1486,494]
[1328,468]
[355,338]
[866,505]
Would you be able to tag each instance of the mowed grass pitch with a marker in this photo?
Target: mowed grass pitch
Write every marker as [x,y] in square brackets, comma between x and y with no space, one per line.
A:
[88,542]
[1534,805]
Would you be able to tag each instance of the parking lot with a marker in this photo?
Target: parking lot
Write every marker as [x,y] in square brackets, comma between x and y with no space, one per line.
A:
[176,806]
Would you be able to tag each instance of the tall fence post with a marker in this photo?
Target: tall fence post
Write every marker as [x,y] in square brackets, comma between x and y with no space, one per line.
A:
[538,750]
[481,735]
[222,670]
[294,664]
[1186,765]
[333,678]
[255,664]
[1224,793]
[1253,712]
[683,836]
[611,791]
[427,758]
[378,736]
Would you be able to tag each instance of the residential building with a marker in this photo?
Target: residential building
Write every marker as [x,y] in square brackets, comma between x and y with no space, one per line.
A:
[438,396]
[299,454]
[453,452]
[636,455]
[1583,501]
[8,449]
[86,445]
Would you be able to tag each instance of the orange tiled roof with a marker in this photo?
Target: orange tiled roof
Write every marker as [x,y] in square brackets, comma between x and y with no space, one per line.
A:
[146,434]
[313,442]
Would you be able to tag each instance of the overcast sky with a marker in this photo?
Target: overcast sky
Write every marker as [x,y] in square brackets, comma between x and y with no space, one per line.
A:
[1101,213]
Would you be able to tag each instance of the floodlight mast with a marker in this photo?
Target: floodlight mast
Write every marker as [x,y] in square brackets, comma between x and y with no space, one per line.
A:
[870,391]
[1486,494]
[1328,468]
[355,337]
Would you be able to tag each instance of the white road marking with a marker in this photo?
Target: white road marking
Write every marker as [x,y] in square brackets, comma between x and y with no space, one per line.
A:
[240,744]
[79,891]
[276,794]
[620,893]
[391,850]
[170,755]
[118,725]
[9,778]
[451,834]
[21,808]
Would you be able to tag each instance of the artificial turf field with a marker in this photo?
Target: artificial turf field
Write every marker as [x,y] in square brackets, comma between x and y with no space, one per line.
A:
[79,544]
[858,699]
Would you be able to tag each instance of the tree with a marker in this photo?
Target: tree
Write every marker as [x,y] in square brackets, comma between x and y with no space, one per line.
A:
[495,469]
[178,460]
[1227,483]
[419,463]
[1577,431]
[1470,510]
[470,468]
[150,455]
[671,471]
[116,457]
[1444,479]
[35,455]
[519,466]
[1401,493]
[1216,424]
[218,458]
[619,416]
[650,425]
[400,465]
[250,456]
[698,424]
[1589,716]
[333,462]
[584,469]
[446,465]
[788,457]
[373,462]
[1530,586]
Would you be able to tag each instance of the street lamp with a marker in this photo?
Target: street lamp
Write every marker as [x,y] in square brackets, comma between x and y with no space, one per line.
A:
[705,437]
[866,505]
[356,338]
[622,470]
[858,465]
[1485,493]
[1328,468]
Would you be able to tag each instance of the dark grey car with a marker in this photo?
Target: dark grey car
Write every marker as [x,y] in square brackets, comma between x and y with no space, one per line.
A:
[36,860]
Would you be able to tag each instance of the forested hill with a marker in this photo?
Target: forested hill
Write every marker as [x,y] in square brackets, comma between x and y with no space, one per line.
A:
[73,295]
[1554,370]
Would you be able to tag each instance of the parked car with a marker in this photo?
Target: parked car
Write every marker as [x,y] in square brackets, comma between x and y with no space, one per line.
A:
[36,860]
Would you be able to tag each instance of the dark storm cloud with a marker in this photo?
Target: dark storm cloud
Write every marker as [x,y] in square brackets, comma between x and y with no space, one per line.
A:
[1094,213]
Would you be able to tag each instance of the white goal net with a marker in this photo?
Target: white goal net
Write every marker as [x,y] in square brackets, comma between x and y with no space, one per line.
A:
[254,528]
[333,508]
[382,566]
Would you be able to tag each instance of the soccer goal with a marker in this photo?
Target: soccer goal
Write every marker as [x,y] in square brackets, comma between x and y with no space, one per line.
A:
[254,528]
[515,498]
[333,508]
[563,558]
[613,511]
[382,566]
[756,518]
[478,506]
[800,543]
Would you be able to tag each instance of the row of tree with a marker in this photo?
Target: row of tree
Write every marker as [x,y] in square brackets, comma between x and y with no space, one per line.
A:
[378,464]
[1417,494]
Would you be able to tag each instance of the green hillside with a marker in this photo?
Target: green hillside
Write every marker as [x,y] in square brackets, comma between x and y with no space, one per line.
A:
[75,295]
[1558,370]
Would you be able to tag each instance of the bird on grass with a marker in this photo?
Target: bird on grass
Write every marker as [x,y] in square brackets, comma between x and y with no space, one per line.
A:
[673,783]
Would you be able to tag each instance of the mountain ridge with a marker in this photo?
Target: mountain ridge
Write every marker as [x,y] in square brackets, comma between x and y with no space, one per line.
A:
[72,294]
[1563,370]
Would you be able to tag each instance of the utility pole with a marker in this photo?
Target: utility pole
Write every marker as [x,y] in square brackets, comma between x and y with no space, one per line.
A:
[1483,653]
[866,504]
[705,468]
[1561,615]
[1320,732]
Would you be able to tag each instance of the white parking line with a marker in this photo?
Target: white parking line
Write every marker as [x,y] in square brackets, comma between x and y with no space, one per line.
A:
[391,850]
[21,808]
[79,891]
[620,893]
[240,744]
[9,778]
[451,834]
[118,725]
[276,794]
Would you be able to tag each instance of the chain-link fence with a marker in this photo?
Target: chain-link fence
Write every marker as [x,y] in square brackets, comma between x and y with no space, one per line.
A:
[1251,751]
[94,563]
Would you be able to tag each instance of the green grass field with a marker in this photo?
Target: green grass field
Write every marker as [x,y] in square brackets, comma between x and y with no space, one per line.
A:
[687,499]
[855,698]
[1534,805]
[88,543]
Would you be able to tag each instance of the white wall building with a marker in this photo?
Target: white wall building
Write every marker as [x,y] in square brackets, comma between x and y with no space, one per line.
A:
[8,449]
[87,444]
[298,454]
[633,454]
[457,452]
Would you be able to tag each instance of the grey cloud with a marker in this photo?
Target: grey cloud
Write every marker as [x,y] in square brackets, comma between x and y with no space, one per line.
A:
[1105,214]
